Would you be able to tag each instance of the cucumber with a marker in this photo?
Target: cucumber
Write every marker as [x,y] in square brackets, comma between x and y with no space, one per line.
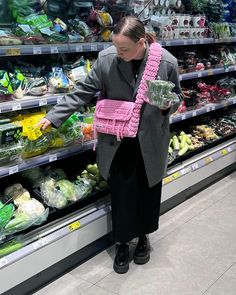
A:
[183,150]
[10,247]
[175,142]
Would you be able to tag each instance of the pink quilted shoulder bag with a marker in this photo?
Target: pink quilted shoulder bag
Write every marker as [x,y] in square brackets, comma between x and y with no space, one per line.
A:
[119,117]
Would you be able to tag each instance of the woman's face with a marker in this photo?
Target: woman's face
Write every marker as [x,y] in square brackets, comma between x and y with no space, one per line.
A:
[127,49]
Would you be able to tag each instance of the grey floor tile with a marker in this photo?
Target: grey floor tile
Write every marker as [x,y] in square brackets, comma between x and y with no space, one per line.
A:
[192,207]
[97,290]
[66,285]
[96,268]
[226,285]
[185,262]
[232,271]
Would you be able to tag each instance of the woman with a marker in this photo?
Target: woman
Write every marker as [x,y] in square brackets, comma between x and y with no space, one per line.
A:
[134,166]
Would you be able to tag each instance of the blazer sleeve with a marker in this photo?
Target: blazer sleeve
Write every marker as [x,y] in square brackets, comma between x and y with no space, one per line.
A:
[82,95]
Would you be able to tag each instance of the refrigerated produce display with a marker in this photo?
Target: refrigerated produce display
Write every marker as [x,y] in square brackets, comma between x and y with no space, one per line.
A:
[54,205]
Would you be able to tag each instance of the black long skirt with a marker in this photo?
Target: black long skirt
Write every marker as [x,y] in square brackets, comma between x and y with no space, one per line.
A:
[135,205]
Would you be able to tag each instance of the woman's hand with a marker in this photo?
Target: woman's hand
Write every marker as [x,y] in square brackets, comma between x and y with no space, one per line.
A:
[44,124]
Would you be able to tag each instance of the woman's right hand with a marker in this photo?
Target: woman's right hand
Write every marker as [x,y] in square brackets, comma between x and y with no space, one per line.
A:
[44,123]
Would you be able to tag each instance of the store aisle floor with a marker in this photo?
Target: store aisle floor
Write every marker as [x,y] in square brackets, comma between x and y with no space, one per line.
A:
[193,253]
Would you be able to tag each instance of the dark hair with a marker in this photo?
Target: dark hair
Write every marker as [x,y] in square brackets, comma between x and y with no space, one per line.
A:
[133,28]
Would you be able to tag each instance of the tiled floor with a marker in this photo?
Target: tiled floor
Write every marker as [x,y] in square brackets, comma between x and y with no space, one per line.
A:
[193,253]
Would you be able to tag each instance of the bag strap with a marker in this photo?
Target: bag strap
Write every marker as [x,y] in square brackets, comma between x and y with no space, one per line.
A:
[150,71]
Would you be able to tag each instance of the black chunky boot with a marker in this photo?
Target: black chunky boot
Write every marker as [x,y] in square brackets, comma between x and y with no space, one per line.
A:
[121,262]
[142,251]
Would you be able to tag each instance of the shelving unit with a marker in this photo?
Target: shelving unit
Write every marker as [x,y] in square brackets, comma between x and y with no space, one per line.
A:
[54,242]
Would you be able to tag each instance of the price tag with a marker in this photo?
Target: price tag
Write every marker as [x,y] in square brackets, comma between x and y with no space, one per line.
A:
[42,102]
[52,158]
[180,77]
[40,243]
[74,226]
[16,107]
[201,41]
[94,47]
[54,49]
[229,149]
[170,120]
[3,262]
[234,101]
[167,180]
[176,175]
[217,40]
[185,42]
[208,160]
[13,169]
[194,41]
[199,75]
[167,43]
[183,117]
[183,171]
[224,152]
[208,109]
[194,114]
[59,99]
[195,166]
[13,51]
[37,50]
[213,108]
[210,72]
[79,48]
[226,70]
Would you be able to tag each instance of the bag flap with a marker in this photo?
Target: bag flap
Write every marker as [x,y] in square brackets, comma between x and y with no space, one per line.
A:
[114,109]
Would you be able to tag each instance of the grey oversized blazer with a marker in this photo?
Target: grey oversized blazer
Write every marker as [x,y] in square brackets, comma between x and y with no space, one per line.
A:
[114,78]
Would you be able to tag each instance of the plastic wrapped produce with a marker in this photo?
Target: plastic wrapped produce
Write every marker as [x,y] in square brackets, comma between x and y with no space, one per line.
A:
[19,84]
[68,189]
[27,35]
[7,38]
[37,86]
[83,188]
[51,195]
[6,213]
[6,90]
[159,93]
[58,81]
[33,176]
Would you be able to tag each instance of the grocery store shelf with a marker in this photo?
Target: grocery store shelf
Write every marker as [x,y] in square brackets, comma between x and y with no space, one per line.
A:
[180,42]
[203,110]
[16,50]
[200,161]
[45,158]
[205,73]
[29,102]
[49,247]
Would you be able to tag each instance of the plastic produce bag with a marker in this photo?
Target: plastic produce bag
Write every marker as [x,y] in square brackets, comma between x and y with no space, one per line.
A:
[7,38]
[27,35]
[52,36]
[83,188]
[159,93]
[6,90]
[58,81]
[6,213]
[37,86]
[19,84]
[51,195]
[11,153]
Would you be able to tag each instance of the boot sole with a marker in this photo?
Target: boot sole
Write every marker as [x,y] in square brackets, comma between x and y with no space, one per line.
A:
[141,260]
[121,269]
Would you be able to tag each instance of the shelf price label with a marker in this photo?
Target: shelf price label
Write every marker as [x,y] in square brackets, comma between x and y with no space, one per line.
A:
[79,48]
[40,243]
[194,114]
[37,50]
[74,226]
[13,170]
[208,109]
[180,77]
[3,262]
[194,41]
[195,166]
[213,108]
[208,160]
[54,49]
[185,42]
[170,120]
[199,75]
[183,117]
[210,72]
[43,102]
[229,149]
[13,51]
[224,152]
[59,99]
[16,107]
[167,180]
[176,175]
[52,158]
[201,41]
[94,47]
[234,101]
[167,43]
